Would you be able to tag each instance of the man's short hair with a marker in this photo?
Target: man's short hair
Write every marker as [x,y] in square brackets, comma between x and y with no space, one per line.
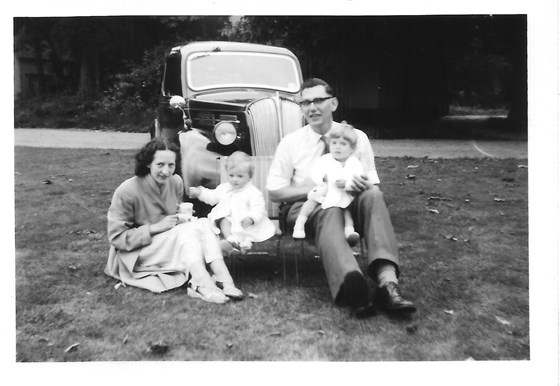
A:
[313,82]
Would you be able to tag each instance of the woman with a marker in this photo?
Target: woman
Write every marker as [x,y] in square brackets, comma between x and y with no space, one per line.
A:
[151,247]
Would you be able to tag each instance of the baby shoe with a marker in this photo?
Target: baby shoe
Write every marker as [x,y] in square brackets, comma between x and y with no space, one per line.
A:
[299,233]
[228,249]
[352,237]
[245,246]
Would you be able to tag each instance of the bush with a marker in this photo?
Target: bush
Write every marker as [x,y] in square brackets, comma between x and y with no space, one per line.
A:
[129,104]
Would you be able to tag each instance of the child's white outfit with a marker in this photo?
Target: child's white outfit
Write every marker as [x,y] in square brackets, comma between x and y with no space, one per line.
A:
[327,193]
[235,205]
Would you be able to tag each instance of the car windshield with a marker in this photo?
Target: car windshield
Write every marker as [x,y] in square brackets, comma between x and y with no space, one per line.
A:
[242,69]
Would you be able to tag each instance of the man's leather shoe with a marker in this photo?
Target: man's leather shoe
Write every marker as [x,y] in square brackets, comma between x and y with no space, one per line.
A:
[389,297]
[355,289]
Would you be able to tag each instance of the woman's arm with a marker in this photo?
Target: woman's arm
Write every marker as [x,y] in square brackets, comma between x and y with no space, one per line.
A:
[123,231]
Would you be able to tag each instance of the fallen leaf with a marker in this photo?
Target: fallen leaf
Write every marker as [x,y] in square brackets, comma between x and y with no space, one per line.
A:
[433,211]
[252,295]
[321,332]
[522,166]
[467,200]
[450,237]
[72,347]
[72,267]
[410,177]
[47,182]
[125,339]
[70,180]
[229,345]
[497,199]
[503,321]
[450,312]
[412,166]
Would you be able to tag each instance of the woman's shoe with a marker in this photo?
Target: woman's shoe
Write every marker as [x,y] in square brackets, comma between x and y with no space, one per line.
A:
[208,294]
[230,290]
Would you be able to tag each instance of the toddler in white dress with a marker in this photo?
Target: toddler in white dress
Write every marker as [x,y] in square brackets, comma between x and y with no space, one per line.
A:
[239,212]
[333,174]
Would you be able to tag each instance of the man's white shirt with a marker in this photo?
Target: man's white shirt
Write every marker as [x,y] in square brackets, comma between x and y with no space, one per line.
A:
[298,151]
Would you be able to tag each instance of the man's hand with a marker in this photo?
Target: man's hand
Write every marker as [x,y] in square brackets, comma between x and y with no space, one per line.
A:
[247,221]
[360,184]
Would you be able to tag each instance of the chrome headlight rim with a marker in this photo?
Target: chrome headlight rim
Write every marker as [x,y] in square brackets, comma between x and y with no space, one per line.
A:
[221,130]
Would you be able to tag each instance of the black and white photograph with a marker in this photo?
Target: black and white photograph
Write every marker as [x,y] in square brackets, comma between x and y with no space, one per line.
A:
[324,193]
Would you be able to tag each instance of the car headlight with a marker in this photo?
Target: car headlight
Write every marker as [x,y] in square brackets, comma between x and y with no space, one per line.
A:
[225,133]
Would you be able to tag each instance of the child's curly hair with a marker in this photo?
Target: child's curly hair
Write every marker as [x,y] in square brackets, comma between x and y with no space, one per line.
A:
[346,132]
[241,160]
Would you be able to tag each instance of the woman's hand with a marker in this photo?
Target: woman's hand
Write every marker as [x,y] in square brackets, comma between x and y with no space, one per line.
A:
[165,224]
[247,221]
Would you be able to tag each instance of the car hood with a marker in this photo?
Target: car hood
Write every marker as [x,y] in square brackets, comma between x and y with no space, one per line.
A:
[239,97]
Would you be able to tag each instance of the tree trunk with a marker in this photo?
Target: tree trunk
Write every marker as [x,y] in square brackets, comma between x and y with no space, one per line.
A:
[37,47]
[85,86]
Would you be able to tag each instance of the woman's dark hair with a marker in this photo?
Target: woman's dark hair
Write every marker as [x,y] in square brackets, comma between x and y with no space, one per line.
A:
[145,156]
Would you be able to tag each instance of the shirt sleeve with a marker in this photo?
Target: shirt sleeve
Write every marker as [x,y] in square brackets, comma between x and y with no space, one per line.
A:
[364,153]
[122,231]
[281,169]
[210,196]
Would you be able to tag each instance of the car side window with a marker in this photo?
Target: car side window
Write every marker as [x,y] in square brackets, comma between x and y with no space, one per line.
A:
[172,75]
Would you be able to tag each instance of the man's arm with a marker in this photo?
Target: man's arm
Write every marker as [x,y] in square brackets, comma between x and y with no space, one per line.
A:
[279,181]
[290,193]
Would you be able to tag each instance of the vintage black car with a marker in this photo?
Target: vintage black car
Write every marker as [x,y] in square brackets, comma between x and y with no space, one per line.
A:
[219,97]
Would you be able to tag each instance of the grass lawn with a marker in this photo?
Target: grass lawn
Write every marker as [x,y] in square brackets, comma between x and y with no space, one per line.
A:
[462,228]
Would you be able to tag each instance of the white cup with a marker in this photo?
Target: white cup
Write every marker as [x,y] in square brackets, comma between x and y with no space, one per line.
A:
[186,209]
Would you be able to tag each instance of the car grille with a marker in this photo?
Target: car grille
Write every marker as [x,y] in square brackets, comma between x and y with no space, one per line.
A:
[264,125]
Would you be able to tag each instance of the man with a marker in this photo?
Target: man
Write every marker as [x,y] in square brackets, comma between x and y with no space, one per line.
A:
[289,182]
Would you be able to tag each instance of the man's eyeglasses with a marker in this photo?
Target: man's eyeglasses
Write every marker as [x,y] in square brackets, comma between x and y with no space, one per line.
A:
[316,101]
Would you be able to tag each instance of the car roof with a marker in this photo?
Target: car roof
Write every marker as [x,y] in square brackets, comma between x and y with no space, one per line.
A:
[230,46]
